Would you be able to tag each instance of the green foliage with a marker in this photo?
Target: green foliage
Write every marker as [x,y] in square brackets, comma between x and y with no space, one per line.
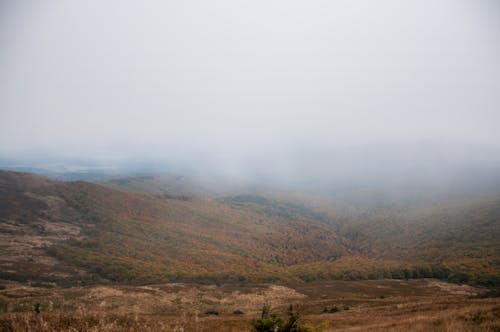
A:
[268,324]
[272,322]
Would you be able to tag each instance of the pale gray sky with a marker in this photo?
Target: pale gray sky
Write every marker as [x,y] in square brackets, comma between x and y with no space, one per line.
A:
[244,79]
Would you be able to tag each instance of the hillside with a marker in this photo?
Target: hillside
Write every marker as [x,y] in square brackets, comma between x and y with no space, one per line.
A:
[123,236]
[68,232]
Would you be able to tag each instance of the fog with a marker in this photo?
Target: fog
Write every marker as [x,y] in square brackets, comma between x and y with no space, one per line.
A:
[366,91]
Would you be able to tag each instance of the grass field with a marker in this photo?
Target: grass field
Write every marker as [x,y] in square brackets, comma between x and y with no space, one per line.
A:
[382,305]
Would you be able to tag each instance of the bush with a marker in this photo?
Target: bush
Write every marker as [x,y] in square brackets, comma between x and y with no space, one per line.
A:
[274,323]
[334,309]
[212,312]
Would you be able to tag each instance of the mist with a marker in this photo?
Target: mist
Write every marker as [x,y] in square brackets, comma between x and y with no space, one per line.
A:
[328,92]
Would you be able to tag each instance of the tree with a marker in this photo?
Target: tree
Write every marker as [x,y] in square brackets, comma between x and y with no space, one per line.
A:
[274,323]
[268,322]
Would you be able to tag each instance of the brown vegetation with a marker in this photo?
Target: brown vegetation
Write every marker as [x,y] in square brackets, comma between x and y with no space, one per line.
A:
[385,305]
[75,232]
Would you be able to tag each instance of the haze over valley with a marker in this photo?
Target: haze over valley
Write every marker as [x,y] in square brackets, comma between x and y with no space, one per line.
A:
[261,166]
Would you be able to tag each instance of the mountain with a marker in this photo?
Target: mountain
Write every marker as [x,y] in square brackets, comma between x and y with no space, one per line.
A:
[142,230]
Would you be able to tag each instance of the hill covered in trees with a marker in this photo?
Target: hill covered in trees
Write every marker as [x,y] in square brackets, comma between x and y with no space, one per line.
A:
[119,231]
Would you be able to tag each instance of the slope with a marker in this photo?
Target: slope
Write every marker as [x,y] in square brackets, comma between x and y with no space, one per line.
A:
[68,232]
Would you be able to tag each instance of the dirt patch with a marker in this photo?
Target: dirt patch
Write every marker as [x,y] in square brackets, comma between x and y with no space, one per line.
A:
[454,288]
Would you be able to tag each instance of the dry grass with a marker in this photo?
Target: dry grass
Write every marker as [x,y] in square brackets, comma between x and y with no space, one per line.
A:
[385,305]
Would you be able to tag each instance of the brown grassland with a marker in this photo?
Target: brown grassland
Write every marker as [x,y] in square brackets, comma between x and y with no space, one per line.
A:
[382,305]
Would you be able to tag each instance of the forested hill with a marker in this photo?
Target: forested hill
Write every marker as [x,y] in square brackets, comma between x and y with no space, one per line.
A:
[70,232]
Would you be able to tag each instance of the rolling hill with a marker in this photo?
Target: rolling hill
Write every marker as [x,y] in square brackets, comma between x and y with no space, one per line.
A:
[121,231]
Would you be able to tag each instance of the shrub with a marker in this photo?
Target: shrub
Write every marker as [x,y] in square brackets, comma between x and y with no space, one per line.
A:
[274,323]
[212,312]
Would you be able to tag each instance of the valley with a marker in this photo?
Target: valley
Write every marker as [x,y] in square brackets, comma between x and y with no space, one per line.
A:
[113,255]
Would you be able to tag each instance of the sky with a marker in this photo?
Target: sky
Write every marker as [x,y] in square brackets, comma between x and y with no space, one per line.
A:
[278,84]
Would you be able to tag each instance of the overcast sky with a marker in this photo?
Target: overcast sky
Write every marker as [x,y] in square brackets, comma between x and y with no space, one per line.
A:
[244,79]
